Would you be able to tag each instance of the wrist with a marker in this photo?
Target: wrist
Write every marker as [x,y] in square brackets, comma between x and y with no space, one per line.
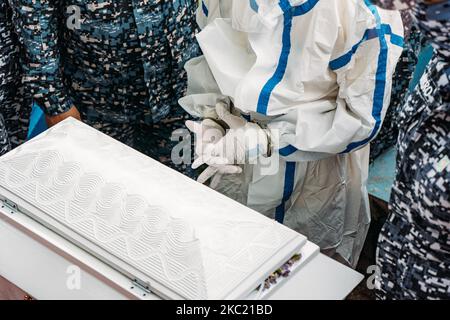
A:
[55,119]
[53,104]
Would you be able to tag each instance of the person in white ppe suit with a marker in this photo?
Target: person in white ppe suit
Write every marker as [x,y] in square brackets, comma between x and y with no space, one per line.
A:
[311,81]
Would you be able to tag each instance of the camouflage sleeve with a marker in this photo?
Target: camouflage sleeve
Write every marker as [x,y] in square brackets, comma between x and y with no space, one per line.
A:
[171,44]
[181,31]
[38,25]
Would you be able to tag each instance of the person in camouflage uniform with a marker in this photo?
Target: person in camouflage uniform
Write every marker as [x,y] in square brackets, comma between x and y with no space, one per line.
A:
[118,63]
[414,246]
[14,107]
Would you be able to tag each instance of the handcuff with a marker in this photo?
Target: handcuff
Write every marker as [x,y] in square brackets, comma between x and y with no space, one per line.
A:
[268,132]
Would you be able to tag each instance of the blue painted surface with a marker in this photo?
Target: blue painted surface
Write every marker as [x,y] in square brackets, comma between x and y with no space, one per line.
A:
[424,58]
[382,175]
[37,122]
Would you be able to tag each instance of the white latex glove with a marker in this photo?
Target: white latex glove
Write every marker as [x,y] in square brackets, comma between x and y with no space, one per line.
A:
[242,144]
[216,172]
[207,133]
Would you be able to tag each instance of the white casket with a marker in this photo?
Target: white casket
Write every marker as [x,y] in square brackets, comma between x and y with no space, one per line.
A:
[163,231]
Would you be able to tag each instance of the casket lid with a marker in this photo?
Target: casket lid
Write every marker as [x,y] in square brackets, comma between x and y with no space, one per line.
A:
[152,223]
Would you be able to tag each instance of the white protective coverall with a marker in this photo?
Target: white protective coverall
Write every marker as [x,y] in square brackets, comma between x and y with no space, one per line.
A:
[318,74]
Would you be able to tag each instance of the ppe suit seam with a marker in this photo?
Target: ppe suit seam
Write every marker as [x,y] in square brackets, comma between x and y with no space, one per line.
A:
[205,8]
[346,58]
[288,13]
[380,82]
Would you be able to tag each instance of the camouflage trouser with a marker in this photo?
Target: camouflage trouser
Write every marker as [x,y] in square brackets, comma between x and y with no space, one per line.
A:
[156,140]
[414,246]
[407,271]
[4,140]
[16,113]
[17,116]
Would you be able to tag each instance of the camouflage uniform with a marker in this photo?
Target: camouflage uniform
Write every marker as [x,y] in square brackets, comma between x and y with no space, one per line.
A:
[14,105]
[414,246]
[121,64]
[5,48]
[5,146]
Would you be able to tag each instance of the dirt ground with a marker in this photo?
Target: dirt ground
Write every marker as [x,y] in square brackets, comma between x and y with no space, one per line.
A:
[379,211]
[10,292]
